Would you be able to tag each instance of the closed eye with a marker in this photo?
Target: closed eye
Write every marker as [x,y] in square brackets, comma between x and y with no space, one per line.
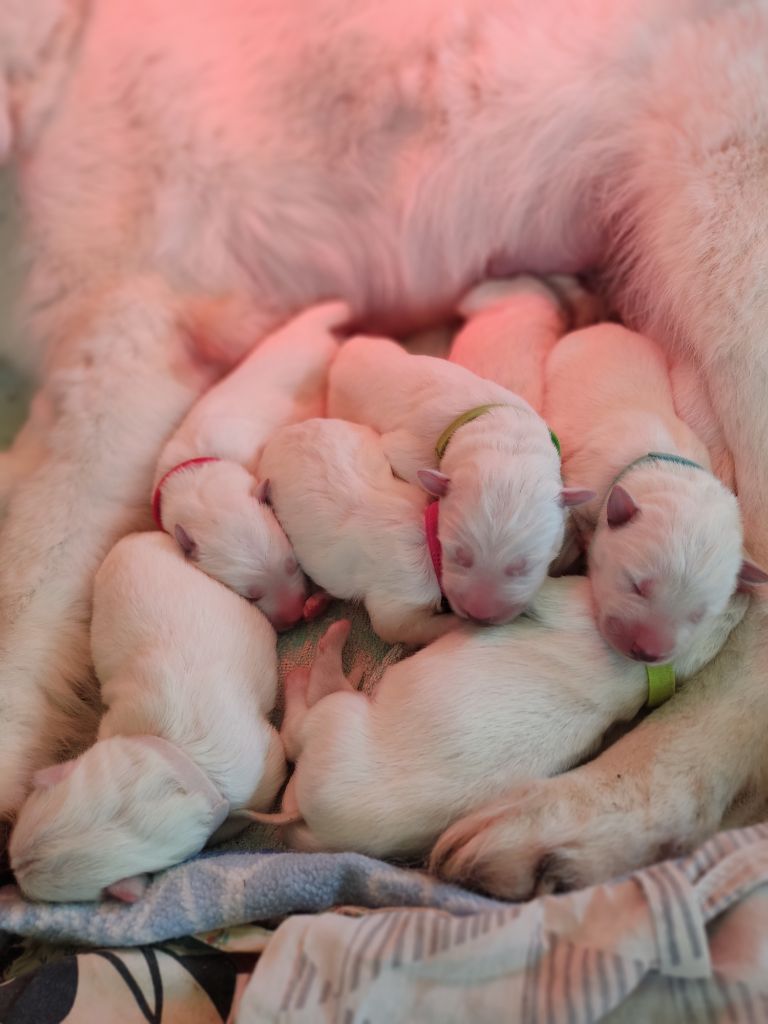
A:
[642,588]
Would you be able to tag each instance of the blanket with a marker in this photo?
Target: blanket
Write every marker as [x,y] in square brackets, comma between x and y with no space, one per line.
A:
[682,941]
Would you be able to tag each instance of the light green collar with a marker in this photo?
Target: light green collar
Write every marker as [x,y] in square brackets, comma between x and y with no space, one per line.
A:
[661,684]
[467,417]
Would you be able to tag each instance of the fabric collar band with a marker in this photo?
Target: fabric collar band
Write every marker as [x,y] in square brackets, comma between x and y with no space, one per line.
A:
[678,460]
[158,492]
[661,684]
[468,417]
[431,514]
[191,775]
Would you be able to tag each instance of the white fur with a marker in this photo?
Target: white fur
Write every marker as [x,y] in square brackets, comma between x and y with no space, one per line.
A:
[235,537]
[503,505]
[389,154]
[458,723]
[664,576]
[179,657]
[512,325]
[694,407]
[357,530]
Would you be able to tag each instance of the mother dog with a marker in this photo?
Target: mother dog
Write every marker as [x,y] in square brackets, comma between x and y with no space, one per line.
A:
[227,162]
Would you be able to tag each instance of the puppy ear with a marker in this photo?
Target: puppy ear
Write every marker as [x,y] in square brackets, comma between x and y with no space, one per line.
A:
[570,497]
[621,507]
[185,542]
[48,777]
[261,492]
[434,482]
[128,890]
[750,575]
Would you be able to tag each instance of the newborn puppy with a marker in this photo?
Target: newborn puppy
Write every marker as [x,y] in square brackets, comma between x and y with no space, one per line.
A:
[496,471]
[458,723]
[205,494]
[357,530]
[512,325]
[188,673]
[665,536]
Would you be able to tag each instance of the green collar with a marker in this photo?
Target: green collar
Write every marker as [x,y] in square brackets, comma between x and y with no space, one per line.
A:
[467,417]
[658,457]
[661,684]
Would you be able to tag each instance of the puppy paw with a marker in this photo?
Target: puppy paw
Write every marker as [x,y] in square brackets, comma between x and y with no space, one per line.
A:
[315,605]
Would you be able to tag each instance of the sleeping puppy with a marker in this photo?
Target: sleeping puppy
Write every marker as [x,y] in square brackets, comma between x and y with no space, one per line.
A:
[664,535]
[458,723]
[205,493]
[394,161]
[478,448]
[511,326]
[357,530]
[188,673]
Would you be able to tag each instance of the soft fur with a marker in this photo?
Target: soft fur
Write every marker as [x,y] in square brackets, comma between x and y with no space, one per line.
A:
[512,325]
[456,724]
[665,540]
[356,529]
[180,657]
[214,509]
[502,502]
[390,153]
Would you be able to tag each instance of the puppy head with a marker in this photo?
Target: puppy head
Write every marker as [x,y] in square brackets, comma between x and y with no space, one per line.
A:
[500,527]
[94,824]
[220,516]
[665,559]
[33,36]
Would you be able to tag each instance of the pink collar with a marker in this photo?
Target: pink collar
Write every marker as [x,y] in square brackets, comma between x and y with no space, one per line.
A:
[190,775]
[158,493]
[431,513]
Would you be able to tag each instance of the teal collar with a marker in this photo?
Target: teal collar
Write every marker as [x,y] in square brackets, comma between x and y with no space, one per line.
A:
[678,460]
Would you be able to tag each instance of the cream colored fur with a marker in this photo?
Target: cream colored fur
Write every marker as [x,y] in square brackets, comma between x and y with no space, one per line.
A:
[180,657]
[390,154]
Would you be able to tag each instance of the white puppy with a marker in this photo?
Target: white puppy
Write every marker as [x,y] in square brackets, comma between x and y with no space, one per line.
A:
[665,536]
[459,722]
[357,530]
[513,324]
[188,673]
[205,494]
[497,473]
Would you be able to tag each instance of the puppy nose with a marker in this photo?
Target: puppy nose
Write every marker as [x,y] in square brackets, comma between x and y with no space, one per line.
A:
[489,612]
[480,607]
[639,653]
[289,612]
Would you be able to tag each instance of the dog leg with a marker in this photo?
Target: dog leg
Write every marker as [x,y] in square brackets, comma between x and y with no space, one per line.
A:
[114,390]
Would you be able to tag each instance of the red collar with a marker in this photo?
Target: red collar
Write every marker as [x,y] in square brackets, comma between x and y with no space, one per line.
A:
[158,493]
[431,513]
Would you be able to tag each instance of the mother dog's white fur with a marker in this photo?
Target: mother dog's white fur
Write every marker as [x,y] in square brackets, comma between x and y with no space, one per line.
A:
[388,153]
[456,724]
[181,658]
